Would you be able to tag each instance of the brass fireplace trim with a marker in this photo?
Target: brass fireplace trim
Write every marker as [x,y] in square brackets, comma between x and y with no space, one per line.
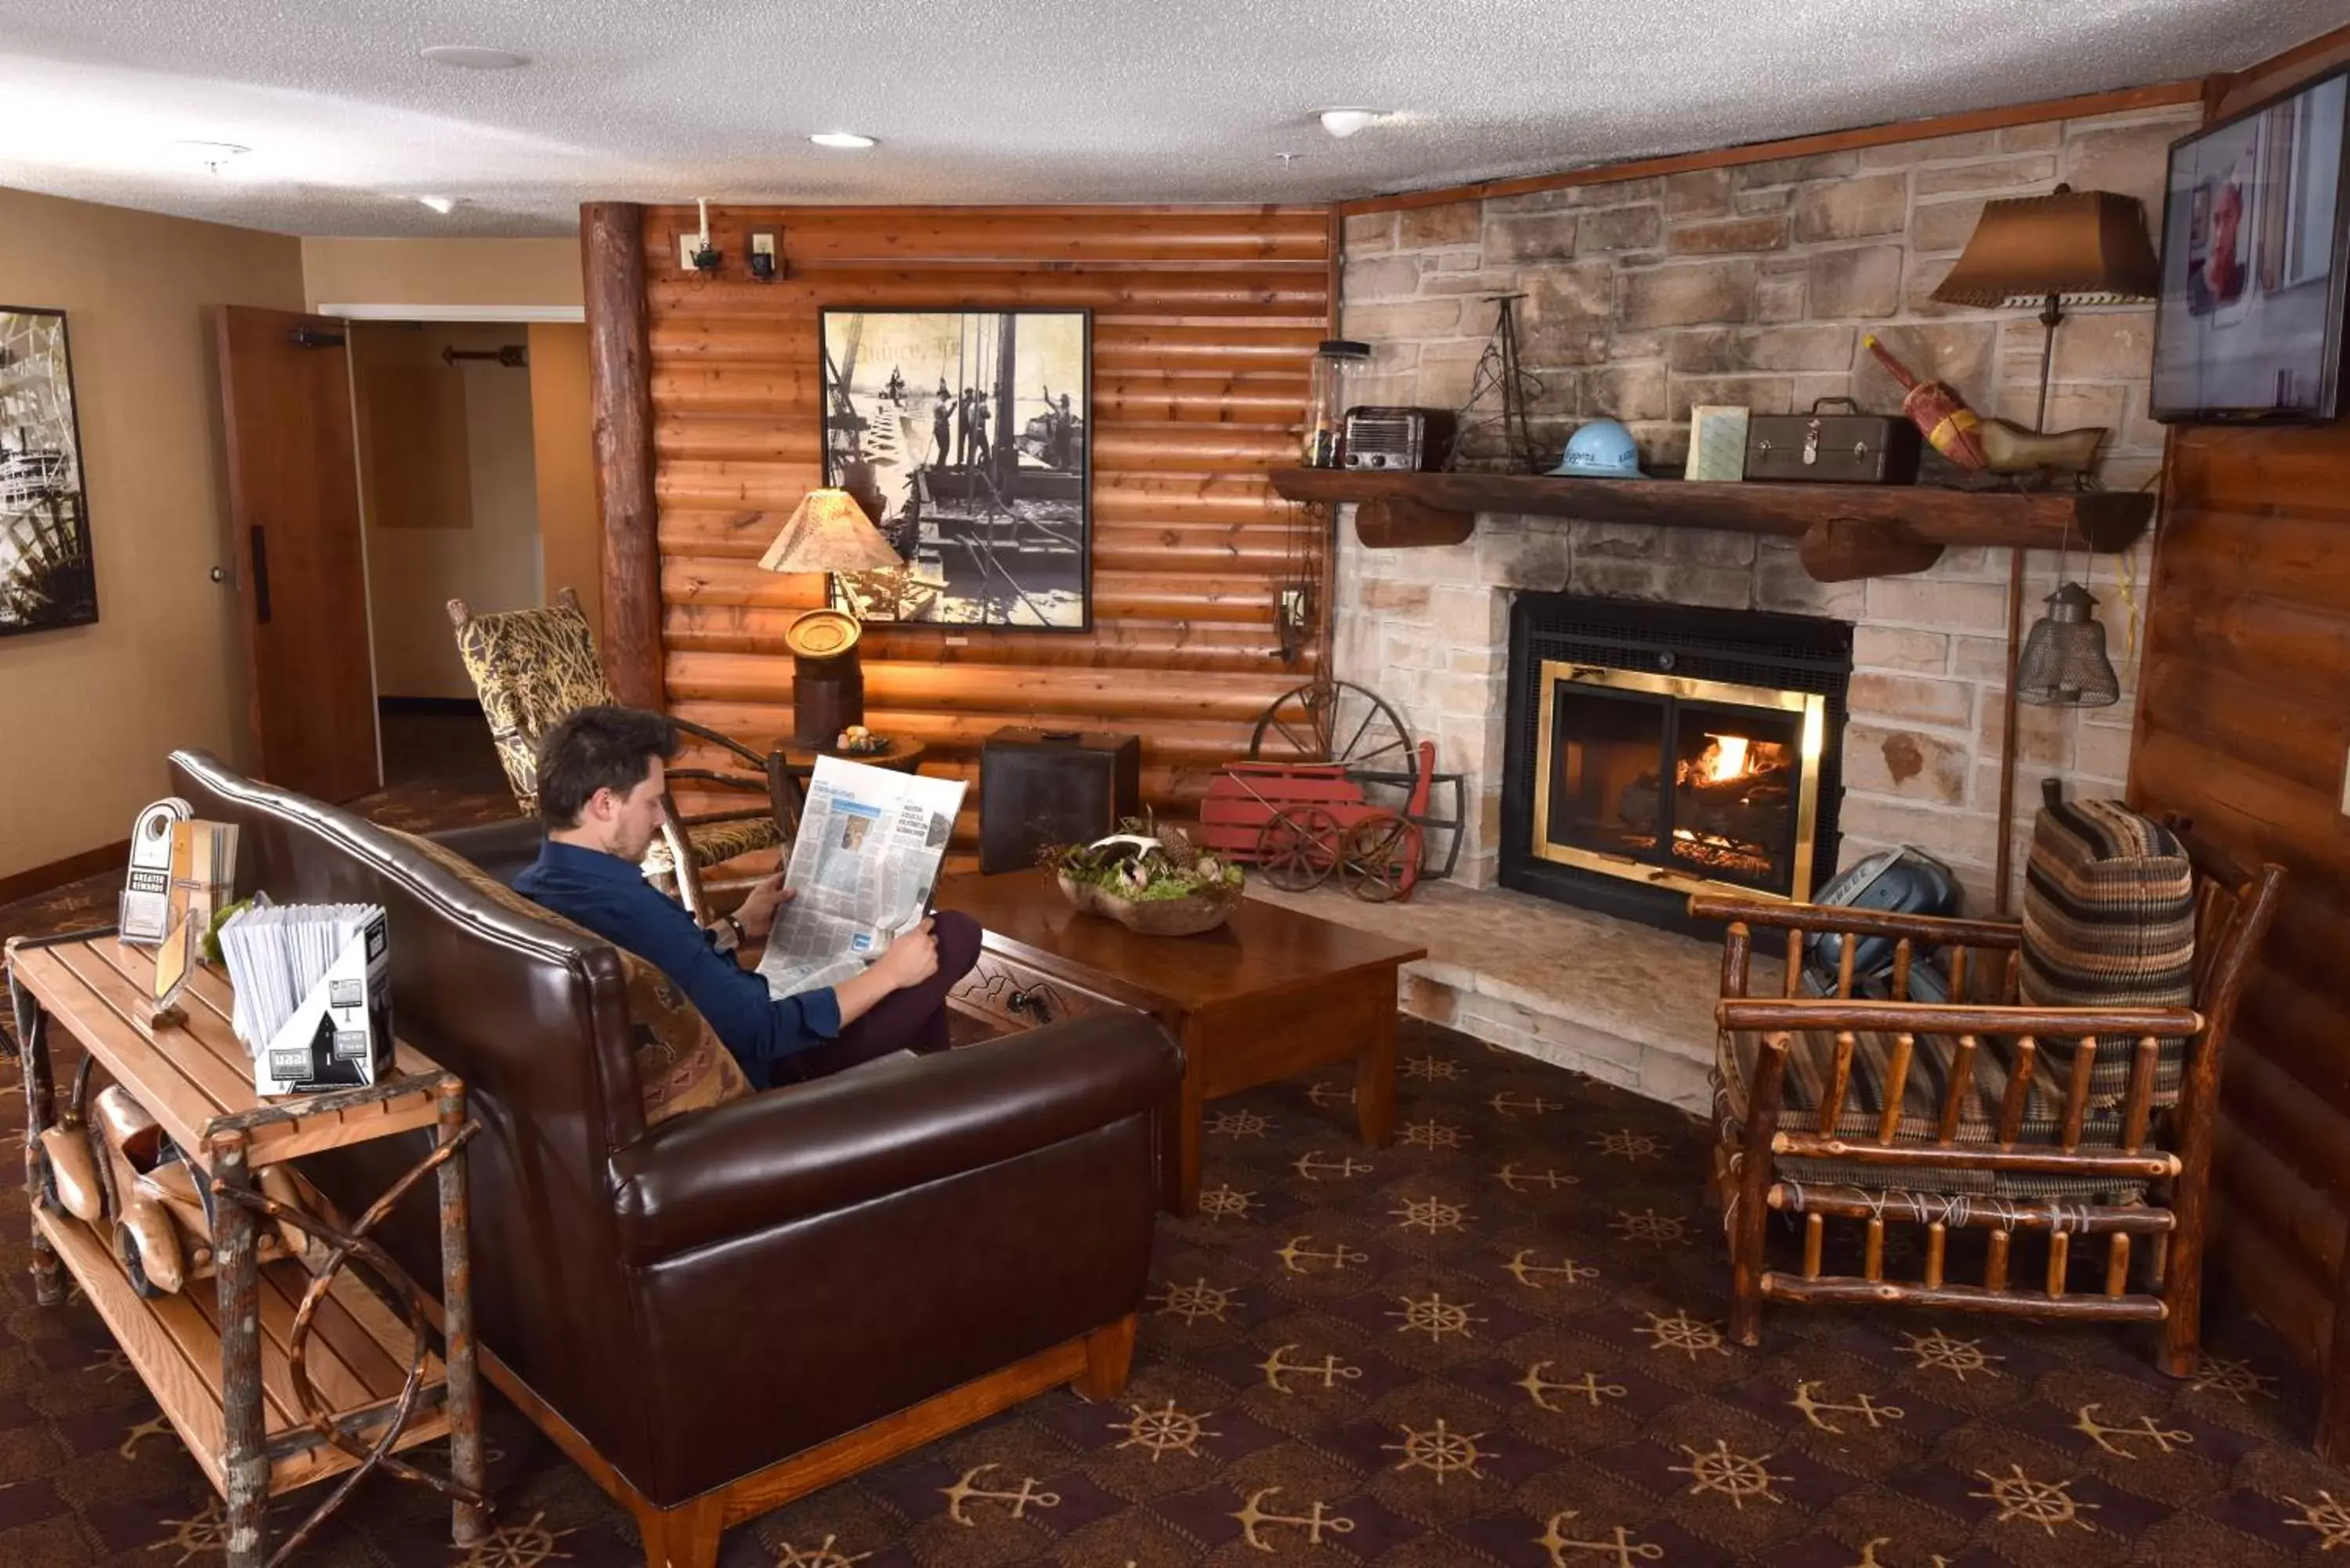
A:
[1810,704]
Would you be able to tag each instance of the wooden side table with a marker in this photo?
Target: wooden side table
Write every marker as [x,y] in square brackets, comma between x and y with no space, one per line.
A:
[291,1374]
[904,755]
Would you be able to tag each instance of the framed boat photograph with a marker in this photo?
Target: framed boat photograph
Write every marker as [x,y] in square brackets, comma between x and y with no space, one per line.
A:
[968,436]
[46,581]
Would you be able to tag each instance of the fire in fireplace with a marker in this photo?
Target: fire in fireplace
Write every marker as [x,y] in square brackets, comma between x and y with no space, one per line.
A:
[1655,763]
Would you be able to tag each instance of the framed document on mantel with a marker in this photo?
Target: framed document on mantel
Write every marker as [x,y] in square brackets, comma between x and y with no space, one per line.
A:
[967,435]
[1717,449]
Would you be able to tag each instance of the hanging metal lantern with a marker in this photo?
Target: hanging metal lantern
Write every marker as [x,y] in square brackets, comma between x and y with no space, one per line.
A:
[2064,664]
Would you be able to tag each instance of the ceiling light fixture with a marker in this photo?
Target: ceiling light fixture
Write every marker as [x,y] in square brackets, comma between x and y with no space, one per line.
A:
[1344,122]
[210,156]
[473,58]
[847,141]
[441,204]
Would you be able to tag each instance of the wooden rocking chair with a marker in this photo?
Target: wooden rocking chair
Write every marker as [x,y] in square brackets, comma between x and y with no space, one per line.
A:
[532,667]
[2078,1122]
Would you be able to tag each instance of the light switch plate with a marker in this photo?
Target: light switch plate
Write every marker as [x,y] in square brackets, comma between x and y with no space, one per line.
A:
[2345,786]
[686,246]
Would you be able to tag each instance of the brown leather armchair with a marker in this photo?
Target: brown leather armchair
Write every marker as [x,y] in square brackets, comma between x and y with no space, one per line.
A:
[741,1304]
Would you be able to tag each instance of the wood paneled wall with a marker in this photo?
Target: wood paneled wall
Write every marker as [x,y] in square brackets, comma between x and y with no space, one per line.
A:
[1204,321]
[2244,725]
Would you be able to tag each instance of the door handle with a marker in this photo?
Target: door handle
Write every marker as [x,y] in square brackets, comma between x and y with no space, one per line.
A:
[260,575]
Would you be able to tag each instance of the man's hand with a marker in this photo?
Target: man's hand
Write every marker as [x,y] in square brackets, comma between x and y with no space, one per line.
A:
[912,959]
[756,913]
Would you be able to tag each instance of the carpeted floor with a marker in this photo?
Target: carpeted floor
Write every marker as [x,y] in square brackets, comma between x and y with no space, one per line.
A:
[1496,1343]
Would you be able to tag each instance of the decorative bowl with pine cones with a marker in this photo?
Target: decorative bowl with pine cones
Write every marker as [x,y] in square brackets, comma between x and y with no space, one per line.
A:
[1151,879]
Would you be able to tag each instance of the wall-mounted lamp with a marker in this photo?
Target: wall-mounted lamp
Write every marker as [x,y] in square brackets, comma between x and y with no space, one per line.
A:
[704,257]
[765,256]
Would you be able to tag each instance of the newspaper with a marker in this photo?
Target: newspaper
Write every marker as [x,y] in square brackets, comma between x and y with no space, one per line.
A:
[862,869]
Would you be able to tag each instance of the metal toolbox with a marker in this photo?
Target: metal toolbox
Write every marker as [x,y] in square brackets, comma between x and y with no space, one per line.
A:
[1833,449]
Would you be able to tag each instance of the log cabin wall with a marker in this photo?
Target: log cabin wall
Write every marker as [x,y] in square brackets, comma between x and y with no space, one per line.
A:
[2243,725]
[1203,323]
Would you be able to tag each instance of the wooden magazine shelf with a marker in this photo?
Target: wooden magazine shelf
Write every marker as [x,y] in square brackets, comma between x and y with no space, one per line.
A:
[358,1357]
[276,1370]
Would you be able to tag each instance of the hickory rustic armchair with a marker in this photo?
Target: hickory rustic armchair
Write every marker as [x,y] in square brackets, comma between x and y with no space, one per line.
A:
[532,667]
[2055,1079]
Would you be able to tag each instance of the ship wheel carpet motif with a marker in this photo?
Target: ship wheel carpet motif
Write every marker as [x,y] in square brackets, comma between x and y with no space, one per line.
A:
[1503,1346]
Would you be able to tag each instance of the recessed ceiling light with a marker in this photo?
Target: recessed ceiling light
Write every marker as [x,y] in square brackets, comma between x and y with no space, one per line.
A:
[847,139]
[210,156]
[473,58]
[1345,122]
[442,204]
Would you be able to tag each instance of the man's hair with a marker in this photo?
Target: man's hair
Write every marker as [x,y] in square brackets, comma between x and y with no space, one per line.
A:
[597,748]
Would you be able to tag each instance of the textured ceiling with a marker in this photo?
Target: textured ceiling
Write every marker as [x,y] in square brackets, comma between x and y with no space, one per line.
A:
[984,100]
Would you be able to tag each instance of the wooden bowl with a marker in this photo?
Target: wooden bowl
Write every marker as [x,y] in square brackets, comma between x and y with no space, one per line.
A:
[1186,917]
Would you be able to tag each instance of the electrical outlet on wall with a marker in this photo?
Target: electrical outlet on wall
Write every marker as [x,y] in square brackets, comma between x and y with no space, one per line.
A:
[686,246]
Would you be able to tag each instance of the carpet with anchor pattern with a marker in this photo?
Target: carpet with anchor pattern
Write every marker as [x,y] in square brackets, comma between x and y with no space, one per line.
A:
[1498,1342]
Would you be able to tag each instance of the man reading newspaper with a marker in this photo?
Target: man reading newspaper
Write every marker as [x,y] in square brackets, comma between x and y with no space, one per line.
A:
[854,966]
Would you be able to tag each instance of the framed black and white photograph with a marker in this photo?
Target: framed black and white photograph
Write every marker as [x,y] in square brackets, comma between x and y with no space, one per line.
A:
[967,435]
[45,578]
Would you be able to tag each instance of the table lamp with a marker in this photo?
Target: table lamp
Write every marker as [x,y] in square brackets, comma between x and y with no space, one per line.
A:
[828,532]
[2086,247]
[2089,247]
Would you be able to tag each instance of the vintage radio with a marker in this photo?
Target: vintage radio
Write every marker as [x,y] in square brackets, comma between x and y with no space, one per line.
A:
[1052,786]
[1409,440]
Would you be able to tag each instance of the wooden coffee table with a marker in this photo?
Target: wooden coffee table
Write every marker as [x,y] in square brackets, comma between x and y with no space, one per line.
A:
[1271,993]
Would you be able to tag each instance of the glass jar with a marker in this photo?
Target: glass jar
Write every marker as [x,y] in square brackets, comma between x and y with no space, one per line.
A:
[1336,364]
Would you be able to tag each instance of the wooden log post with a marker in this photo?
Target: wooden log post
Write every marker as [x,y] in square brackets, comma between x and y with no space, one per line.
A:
[40,1110]
[469,1525]
[245,1459]
[620,383]
[1751,1190]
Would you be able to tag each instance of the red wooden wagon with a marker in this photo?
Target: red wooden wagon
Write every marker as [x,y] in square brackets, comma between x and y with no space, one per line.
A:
[1302,820]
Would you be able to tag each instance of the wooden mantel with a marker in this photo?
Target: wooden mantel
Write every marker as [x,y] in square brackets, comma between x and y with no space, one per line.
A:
[1846,531]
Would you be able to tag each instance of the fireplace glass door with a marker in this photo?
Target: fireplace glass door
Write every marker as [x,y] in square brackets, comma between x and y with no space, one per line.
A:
[1691,784]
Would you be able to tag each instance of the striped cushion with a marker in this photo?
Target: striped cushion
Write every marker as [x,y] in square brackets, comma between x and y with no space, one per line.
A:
[2109,921]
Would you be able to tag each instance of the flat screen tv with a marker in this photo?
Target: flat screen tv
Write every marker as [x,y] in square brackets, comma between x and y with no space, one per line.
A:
[2253,264]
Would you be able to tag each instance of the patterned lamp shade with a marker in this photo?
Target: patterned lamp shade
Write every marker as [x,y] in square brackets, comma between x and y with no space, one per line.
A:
[2063,663]
[2086,246]
[828,532]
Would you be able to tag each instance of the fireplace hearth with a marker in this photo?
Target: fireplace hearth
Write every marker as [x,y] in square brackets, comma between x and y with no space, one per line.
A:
[1655,750]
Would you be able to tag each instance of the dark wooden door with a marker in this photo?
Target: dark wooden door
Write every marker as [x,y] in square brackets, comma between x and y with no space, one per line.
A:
[294,502]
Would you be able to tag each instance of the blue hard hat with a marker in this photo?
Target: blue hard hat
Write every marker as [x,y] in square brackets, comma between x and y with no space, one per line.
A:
[1603,448]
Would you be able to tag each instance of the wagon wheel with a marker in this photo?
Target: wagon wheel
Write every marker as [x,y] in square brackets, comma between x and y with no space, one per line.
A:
[1297,847]
[1381,859]
[1332,722]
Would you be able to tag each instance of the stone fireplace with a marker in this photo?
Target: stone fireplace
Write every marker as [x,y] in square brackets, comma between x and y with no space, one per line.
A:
[1919,757]
[1652,752]
[1749,286]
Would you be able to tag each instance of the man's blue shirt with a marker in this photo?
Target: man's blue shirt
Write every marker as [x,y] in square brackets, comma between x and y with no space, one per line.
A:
[612,898]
